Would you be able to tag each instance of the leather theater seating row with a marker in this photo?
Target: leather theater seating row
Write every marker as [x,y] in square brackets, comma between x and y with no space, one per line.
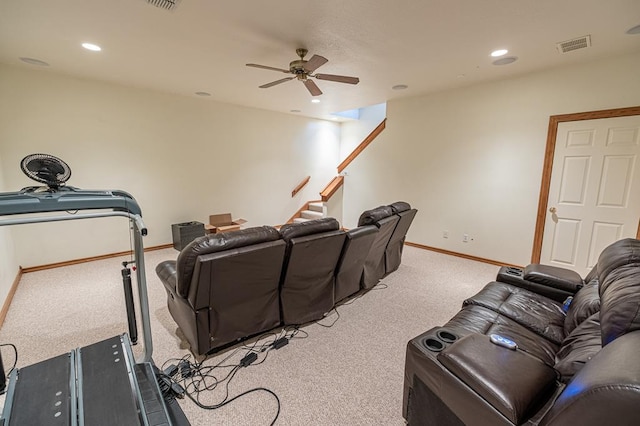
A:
[226,287]
[574,365]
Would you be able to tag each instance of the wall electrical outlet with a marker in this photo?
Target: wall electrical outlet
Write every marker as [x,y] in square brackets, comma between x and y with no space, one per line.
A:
[445,234]
[465,238]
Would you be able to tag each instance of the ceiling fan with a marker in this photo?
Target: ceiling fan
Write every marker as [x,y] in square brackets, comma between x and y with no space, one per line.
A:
[302,70]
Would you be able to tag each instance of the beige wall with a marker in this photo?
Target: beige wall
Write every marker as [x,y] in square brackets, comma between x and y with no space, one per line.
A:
[471,159]
[8,263]
[354,131]
[182,158]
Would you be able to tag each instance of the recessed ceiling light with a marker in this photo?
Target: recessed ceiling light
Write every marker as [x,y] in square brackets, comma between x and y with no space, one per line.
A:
[634,30]
[505,61]
[399,87]
[91,46]
[294,110]
[499,52]
[203,94]
[33,61]
[315,101]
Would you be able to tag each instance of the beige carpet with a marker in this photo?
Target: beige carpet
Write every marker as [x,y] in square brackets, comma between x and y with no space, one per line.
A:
[349,374]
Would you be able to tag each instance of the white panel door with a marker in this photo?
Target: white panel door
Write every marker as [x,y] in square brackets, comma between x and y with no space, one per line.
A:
[594,194]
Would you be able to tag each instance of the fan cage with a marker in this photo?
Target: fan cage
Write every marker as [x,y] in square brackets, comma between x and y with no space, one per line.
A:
[47,169]
[164,4]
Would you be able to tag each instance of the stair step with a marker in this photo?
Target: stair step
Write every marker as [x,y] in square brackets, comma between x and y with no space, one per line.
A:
[300,219]
[308,214]
[316,207]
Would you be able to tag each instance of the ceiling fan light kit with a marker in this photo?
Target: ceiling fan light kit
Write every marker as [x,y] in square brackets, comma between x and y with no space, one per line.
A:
[303,69]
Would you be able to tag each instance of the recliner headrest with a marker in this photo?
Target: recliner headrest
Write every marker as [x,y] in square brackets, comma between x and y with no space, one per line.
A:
[620,253]
[213,243]
[619,276]
[316,226]
[371,217]
[400,206]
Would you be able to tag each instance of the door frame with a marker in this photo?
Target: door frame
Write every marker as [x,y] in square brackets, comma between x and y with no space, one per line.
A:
[548,165]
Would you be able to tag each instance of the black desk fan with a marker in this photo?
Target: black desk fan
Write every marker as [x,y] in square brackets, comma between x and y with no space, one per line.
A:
[47,169]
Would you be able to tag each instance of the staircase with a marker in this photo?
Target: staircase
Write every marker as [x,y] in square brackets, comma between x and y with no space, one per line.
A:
[314,210]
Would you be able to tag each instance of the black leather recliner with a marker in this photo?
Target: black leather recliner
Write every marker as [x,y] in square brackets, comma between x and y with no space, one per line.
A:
[224,287]
[349,271]
[374,266]
[580,367]
[393,252]
[308,273]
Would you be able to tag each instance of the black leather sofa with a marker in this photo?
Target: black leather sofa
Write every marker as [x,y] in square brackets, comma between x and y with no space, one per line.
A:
[227,287]
[576,367]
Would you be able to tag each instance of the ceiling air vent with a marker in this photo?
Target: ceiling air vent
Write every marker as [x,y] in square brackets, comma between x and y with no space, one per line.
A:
[164,4]
[574,44]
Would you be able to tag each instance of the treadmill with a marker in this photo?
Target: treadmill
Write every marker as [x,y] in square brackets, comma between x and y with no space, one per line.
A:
[102,383]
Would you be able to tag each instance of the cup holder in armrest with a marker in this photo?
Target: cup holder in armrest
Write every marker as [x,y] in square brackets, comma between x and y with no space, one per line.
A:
[433,344]
[441,340]
[447,336]
[514,271]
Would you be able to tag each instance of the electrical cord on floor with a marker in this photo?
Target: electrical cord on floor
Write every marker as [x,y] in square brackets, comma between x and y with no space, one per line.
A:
[216,406]
[334,321]
[181,377]
[15,362]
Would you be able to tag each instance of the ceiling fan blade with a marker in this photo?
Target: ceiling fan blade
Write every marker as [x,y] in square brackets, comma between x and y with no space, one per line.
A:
[314,63]
[338,78]
[264,67]
[312,88]
[273,83]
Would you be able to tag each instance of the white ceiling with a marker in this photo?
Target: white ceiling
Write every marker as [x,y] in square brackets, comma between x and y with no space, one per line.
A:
[203,45]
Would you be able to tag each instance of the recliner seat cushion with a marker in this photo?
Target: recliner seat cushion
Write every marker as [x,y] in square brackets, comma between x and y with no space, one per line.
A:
[585,303]
[531,310]
[477,319]
[213,243]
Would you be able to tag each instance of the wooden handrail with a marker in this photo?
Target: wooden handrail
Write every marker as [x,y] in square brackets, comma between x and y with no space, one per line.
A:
[300,186]
[362,146]
[331,189]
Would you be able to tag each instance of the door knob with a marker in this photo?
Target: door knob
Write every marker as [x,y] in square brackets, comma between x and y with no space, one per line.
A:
[553,210]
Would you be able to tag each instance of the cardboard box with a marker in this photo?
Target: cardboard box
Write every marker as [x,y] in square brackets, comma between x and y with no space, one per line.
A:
[223,223]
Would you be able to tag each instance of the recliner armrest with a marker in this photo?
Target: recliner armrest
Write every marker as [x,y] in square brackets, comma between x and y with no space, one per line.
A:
[552,276]
[168,274]
[513,382]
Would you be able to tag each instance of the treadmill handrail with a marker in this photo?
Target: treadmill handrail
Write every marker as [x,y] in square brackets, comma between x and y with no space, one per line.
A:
[66,199]
[139,230]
